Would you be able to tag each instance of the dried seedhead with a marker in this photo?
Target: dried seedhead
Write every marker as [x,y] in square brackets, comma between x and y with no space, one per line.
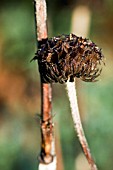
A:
[68,56]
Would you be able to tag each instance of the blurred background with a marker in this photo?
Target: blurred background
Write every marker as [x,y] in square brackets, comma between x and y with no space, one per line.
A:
[20,86]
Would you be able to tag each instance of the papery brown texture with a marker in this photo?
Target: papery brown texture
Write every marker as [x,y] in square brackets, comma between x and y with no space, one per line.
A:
[65,57]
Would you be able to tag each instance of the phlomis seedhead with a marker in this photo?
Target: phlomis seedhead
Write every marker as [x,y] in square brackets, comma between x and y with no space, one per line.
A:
[65,57]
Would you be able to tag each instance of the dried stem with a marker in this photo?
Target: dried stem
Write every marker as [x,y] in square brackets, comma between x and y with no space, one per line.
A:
[40,19]
[47,159]
[71,90]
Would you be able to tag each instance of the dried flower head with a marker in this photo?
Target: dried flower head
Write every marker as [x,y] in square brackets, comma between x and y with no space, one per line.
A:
[65,57]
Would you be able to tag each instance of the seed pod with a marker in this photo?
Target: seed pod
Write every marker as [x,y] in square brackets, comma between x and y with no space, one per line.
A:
[65,57]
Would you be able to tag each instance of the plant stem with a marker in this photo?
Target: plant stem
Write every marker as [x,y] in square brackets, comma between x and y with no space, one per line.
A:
[47,159]
[71,90]
[40,19]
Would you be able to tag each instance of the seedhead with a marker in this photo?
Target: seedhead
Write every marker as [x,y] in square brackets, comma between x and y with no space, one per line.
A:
[65,57]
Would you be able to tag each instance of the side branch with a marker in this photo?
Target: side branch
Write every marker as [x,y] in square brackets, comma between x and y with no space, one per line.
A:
[77,123]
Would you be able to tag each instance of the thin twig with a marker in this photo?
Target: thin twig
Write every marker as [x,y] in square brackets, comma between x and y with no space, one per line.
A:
[71,90]
[47,159]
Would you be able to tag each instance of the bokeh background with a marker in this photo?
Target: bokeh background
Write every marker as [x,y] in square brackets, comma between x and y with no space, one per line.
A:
[20,88]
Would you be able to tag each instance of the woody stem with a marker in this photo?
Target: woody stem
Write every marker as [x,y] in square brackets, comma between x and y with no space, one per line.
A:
[47,154]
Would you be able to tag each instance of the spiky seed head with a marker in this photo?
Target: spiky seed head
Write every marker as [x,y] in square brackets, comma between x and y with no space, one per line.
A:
[65,57]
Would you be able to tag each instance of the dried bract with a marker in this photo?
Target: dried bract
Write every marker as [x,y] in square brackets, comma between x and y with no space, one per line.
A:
[65,57]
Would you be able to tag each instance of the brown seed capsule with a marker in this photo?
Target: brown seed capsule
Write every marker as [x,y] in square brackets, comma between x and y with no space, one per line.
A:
[65,57]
